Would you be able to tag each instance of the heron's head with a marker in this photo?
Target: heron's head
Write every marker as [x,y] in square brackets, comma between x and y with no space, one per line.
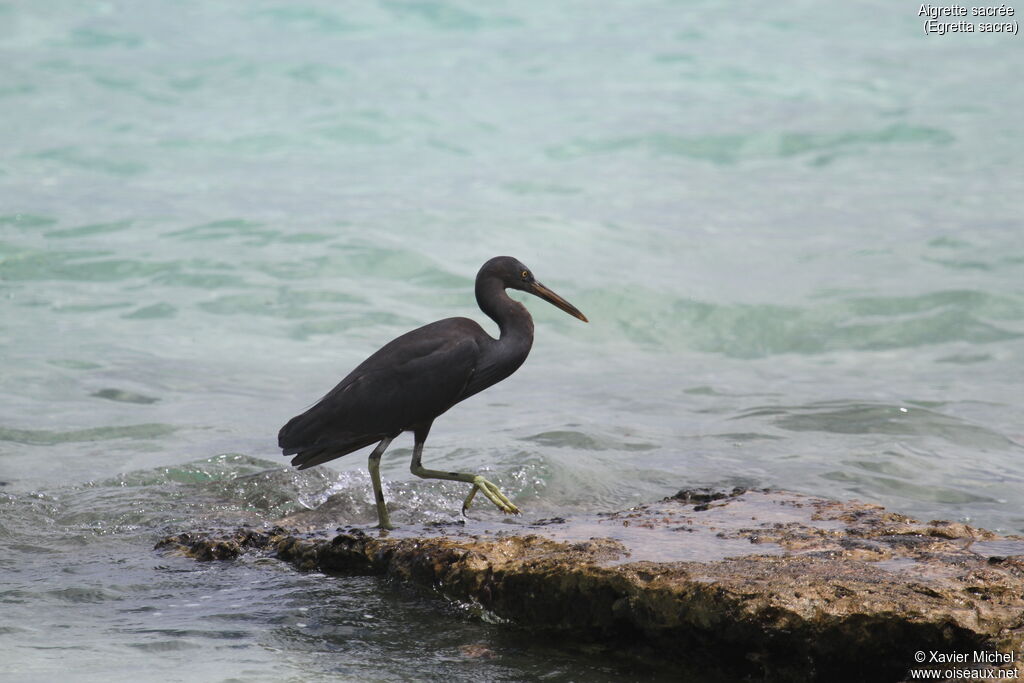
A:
[515,275]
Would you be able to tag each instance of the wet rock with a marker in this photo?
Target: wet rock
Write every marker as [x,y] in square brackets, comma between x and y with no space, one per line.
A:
[701,497]
[756,584]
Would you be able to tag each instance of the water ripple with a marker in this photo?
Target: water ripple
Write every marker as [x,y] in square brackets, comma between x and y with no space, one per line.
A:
[45,437]
[853,417]
[758,330]
[731,149]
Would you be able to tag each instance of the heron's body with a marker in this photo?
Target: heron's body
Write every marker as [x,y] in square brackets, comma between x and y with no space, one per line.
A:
[418,376]
[449,361]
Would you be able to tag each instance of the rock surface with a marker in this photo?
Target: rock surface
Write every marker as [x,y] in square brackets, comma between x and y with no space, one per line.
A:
[763,585]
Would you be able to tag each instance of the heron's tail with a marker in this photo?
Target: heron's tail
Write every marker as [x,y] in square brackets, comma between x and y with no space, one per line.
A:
[311,446]
[293,437]
[311,457]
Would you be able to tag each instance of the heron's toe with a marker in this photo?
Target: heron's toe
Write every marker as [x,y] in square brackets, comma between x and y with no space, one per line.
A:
[469,499]
[493,494]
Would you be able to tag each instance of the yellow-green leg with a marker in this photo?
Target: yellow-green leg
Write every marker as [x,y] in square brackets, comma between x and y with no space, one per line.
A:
[378,491]
[478,482]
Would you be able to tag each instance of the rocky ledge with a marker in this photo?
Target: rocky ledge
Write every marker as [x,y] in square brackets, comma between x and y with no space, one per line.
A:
[762,585]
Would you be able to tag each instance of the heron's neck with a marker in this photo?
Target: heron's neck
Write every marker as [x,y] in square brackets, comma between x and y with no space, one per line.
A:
[513,319]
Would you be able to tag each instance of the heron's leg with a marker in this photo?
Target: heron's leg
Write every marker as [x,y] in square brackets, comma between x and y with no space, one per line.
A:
[478,482]
[378,491]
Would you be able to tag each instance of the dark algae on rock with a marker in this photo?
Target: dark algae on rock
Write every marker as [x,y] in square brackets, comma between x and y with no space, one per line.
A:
[759,585]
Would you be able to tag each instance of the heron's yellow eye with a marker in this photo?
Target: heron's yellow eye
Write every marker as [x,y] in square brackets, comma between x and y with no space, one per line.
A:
[526,274]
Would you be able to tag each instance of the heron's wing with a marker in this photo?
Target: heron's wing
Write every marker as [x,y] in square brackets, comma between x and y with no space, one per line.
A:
[411,380]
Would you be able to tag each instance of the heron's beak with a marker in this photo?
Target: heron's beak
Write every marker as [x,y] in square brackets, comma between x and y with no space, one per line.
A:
[552,298]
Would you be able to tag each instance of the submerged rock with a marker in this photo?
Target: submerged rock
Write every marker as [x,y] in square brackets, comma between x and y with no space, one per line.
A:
[757,584]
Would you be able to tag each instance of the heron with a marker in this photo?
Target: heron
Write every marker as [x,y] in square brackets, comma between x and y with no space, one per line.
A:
[416,377]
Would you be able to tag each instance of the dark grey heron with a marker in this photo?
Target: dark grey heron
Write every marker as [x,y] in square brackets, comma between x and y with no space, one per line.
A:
[416,377]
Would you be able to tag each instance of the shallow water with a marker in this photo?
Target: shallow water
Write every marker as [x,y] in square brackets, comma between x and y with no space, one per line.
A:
[796,233]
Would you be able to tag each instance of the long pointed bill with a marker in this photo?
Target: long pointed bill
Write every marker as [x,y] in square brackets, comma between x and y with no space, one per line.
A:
[552,298]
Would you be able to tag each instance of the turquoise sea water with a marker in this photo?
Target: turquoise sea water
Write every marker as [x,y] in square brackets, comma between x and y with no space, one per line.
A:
[796,230]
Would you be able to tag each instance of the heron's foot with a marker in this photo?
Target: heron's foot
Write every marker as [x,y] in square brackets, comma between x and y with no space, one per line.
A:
[492,493]
[383,518]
